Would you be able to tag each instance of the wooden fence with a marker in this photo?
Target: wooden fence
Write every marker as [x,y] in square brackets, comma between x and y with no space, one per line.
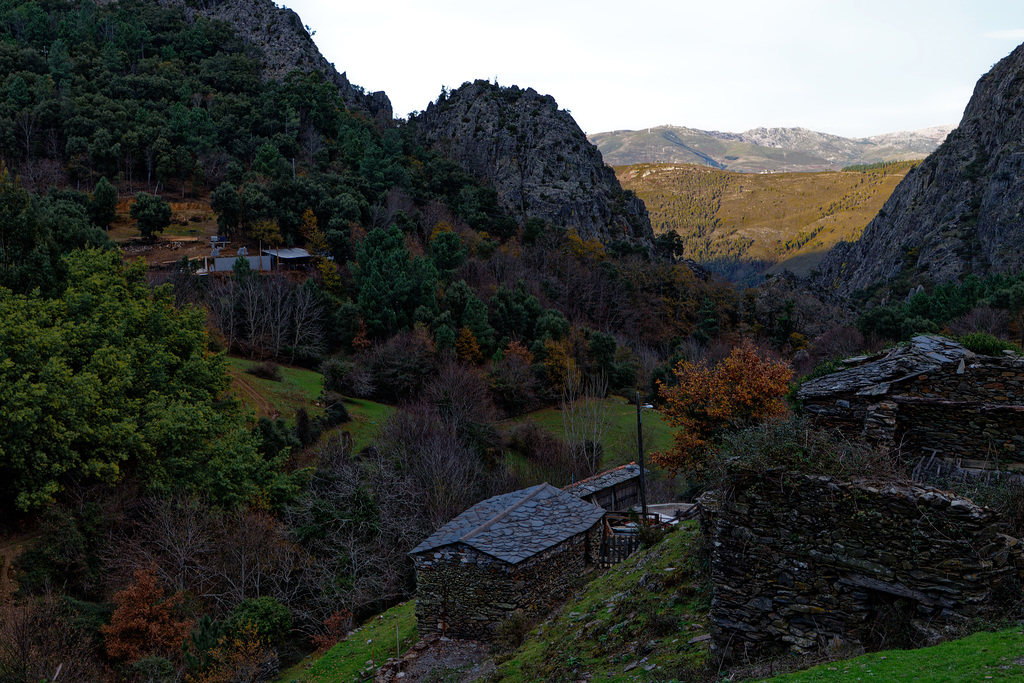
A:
[617,547]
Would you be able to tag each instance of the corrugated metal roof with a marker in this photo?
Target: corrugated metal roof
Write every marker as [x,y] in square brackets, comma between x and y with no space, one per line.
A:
[516,526]
[227,263]
[607,479]
[293,252]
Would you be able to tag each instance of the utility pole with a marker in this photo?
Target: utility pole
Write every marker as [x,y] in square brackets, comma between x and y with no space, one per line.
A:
[640,459]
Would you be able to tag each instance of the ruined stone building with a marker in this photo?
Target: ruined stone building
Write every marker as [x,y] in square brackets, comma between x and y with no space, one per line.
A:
[930,397]
[615,490]
[522,550]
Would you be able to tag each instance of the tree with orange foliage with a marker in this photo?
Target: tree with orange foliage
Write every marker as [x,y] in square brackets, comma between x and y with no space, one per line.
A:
[743,389]
[145,622]
[467,348]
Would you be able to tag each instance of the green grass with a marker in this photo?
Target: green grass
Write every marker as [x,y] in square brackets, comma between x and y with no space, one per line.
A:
[367,418]
[378,639]
[997,656]
[646,607]
[620,440]
[298,388]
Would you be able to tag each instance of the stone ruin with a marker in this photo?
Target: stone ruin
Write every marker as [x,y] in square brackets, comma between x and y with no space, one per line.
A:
[932,399]
[803,562]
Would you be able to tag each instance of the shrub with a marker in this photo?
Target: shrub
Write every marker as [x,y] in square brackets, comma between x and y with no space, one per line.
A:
[335,412]
[270,618]
[795,446]
[987,344]
[512,632]
[268,370]
[346,377]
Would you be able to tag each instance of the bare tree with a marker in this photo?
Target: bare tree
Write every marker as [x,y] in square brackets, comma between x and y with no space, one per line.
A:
[25,125]
[277,299]
[312,142]
[224,309]
[307,333]
[38,643]
[460,395]
[254,311]
[585,417]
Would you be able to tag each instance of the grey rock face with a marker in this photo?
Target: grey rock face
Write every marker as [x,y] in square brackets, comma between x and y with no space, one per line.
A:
[959,211]
[285,45]
[536,157]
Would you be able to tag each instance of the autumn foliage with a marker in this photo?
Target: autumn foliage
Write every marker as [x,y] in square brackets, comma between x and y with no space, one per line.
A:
[145,621]
[743,389]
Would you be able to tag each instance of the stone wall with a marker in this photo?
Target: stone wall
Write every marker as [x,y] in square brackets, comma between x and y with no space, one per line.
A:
[798,561]
[474,592]
[973,411]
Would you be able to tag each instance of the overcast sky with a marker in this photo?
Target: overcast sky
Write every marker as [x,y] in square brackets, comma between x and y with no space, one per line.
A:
[848,67]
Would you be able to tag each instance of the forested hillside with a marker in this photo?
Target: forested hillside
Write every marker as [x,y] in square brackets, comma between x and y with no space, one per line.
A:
[170,532]
[743,224]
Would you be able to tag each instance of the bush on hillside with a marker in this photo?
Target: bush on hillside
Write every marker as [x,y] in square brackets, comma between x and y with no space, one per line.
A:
[987,344]
[268,370]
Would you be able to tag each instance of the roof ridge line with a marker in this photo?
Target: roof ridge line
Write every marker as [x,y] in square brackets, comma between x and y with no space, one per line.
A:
[597,476]
[504,513]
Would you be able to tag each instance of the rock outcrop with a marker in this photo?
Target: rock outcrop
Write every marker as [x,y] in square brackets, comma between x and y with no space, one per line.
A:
[536,157]
[285,45]
[959,212]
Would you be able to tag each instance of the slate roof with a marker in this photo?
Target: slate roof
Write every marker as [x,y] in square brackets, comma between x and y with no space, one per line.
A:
[516,526]
[873,375]
[604,480]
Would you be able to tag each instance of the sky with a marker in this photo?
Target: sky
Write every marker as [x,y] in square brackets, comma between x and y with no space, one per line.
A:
[847,67]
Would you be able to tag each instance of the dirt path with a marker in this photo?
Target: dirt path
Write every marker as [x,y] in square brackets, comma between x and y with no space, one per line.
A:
[264,408]
[440,659]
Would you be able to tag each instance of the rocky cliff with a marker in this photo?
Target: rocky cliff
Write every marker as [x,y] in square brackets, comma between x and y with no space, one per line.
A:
[535,156]
[959,211]
[285,45]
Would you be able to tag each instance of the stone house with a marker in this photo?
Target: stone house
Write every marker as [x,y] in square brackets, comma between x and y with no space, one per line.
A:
[932,397]
[522,550]
[615,490]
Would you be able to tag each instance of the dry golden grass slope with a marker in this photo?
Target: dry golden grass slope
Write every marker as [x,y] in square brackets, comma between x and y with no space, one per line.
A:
[787,219]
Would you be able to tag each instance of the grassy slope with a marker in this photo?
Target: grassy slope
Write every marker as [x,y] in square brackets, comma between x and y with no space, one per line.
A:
[640,613]
[298,388]
[980,657]
[301,388]
[376,641]
[621,432]
[367,417]
[790,219]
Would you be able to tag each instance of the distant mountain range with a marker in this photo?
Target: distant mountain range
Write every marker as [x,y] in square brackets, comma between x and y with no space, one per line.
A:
[763,149]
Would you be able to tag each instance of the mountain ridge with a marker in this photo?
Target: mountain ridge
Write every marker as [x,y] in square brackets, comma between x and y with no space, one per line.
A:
[763,149]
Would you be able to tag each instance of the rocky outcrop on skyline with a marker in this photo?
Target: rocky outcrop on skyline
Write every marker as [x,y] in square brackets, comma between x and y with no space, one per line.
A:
[285,45]
[535,156]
